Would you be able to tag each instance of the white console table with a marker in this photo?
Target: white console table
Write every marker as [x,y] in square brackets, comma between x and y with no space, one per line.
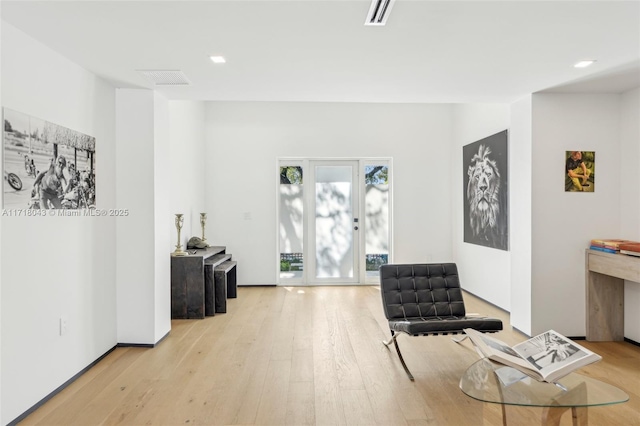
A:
[605,274]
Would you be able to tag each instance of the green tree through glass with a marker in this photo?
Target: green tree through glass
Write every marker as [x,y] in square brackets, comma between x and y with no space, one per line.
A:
[376,175]
[291,175]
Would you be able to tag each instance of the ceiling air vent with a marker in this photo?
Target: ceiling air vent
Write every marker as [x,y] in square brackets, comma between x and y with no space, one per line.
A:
[379,12]
[166,77]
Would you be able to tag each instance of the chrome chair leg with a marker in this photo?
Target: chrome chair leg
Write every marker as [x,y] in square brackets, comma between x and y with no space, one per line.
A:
[394,336]
[460,339]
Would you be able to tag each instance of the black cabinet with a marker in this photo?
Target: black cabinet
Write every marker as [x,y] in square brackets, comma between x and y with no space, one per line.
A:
[188,289]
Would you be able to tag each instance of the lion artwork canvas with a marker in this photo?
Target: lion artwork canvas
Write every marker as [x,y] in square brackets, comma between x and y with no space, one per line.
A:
[486,216]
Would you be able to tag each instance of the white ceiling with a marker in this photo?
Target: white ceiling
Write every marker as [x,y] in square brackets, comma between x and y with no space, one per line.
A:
[298,50]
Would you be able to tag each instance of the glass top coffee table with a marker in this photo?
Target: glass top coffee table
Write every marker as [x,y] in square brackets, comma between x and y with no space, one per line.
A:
[488,381]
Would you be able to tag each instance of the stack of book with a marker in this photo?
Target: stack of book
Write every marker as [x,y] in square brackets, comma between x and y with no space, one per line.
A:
[631,248]
[607,245]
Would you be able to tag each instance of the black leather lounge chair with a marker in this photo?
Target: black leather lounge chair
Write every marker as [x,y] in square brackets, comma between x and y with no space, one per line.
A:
[426,299]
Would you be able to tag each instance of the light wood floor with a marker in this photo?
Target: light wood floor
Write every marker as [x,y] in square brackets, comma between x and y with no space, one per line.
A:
[307,356]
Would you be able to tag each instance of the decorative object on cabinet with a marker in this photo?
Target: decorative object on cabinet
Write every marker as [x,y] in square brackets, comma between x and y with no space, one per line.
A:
[203,221]
[196,243]
[179,222]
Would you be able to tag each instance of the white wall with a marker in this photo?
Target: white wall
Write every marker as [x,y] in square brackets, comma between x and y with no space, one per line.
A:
[245,139]
[630,202]
[56,266]
[135,192]
[163,217]
[629,155]
[520,175]
[142,254]
[1,162]
[563,223]
[484,271]
[187,148]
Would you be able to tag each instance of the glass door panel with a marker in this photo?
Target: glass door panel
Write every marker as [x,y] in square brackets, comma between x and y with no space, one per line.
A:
[376,218]
[334,226]
[291,223]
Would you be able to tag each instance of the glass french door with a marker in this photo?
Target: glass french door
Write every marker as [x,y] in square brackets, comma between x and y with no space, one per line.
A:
[333,221]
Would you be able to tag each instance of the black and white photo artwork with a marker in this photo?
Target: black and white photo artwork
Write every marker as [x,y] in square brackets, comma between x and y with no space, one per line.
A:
[46,166]
[486,216]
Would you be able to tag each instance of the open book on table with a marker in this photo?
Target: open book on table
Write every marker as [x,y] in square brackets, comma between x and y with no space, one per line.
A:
[546,357]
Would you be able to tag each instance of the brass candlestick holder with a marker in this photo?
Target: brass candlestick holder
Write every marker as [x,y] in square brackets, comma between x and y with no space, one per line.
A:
[179,222]
[203,221]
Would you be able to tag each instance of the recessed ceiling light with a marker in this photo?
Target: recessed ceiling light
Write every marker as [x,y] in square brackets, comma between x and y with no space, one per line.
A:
[218,59]
[585,63]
